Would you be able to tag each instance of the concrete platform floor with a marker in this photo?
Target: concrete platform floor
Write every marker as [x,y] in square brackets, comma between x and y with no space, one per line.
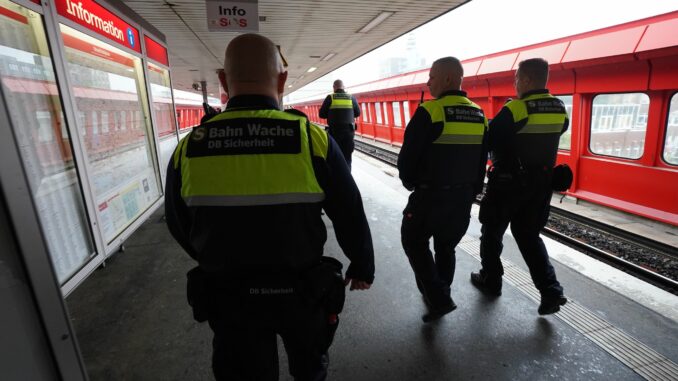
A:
[133,323]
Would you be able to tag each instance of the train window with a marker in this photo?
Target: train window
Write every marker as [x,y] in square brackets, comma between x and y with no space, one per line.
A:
[30,91]
[385,107]
[95,123]
[618,124]
[406,111]
[364,112]
[377,111]
[104,122]
[671,140]
[123,176]
[397,121]
[565,139]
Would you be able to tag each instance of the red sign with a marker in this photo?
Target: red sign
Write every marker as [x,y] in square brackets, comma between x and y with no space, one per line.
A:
[97,18]
[83,46]
[155,51]
[13,15]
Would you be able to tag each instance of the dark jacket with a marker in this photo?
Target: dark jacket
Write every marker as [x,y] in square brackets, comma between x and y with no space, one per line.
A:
[287,238]
[339,117]
[422,163]
[507,147]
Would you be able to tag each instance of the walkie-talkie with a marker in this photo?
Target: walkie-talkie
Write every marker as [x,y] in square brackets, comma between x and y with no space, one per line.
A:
[421,100]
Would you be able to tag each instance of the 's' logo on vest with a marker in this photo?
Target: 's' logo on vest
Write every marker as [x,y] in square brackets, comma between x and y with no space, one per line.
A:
[531,104]
[449,111]
[245,136]
[198,134]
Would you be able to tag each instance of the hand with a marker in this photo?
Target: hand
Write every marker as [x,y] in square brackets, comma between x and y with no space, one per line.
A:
[357,284]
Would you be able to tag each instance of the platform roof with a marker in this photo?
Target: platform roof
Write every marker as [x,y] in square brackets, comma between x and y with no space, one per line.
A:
[306,30]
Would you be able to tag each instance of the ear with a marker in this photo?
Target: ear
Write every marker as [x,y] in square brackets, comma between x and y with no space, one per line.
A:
[282,78]
[222,79]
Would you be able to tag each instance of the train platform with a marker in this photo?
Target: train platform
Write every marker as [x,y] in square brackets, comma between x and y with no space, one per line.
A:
[132,321]
[654,230]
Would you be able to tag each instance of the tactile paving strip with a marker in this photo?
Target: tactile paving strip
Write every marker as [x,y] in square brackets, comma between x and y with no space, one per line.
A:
[642,359]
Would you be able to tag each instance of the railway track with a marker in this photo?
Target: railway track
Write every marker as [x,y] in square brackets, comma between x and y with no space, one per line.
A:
[649,260]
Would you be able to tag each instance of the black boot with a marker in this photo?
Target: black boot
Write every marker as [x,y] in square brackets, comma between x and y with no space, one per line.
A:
[486,285]
[551,304]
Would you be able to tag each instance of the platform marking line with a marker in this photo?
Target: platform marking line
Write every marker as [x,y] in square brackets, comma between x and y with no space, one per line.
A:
[642,359]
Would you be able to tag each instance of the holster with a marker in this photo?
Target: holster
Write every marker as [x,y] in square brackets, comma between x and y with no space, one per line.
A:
[323,285]
[198,293]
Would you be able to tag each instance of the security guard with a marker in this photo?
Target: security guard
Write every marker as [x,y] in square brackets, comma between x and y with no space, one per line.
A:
[443,161]
[340,109]
[523,140]
[244,197]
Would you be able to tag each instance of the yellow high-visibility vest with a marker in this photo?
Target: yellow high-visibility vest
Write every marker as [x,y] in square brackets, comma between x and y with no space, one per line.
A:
[463,121]
[251,157]
[545,114]
[341,100]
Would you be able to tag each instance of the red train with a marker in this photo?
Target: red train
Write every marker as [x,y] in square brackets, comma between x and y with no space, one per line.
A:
[620,85]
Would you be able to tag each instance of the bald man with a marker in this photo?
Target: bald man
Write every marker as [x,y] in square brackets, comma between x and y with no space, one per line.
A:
[442,161]
[244,197]
[340,109]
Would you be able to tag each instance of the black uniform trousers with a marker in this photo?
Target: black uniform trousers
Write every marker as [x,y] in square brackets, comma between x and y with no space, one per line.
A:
[443,214]
[344,134]
[245,345]
[524,202]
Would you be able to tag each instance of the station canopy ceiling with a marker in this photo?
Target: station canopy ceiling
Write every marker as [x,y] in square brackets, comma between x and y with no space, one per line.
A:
[307,31]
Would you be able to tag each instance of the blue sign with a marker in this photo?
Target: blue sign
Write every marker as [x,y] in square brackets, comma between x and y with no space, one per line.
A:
[130,37]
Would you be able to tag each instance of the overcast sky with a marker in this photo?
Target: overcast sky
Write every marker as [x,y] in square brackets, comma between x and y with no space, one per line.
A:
[487,26]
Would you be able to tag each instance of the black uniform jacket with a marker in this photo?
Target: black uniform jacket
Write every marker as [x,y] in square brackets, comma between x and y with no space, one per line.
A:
[280,238]
[336,117]
[535,150]
[422,163]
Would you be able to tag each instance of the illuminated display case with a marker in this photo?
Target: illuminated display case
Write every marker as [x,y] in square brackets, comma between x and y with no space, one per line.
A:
[88,92]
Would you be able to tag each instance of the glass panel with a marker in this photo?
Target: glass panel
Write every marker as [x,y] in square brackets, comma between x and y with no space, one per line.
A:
[565,139]
[123,175]
[163,113]
[406,111]
[671,140]
[364,113]
[377,110]
[618,124]
[29,88]
[385,105]
[396,114]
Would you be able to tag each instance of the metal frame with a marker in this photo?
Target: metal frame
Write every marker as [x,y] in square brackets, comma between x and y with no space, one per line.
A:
[80,158]
[103,249]
[151,115]
[30,239]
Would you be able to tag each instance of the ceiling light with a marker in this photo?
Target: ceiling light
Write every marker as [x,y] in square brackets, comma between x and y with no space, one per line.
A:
[376,21]
[328,56]
[289,86]
[311,69]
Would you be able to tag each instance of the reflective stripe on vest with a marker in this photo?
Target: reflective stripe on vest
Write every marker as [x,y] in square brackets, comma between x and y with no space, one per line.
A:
[463,121]
[251,157]
[341,100]
[545,114]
